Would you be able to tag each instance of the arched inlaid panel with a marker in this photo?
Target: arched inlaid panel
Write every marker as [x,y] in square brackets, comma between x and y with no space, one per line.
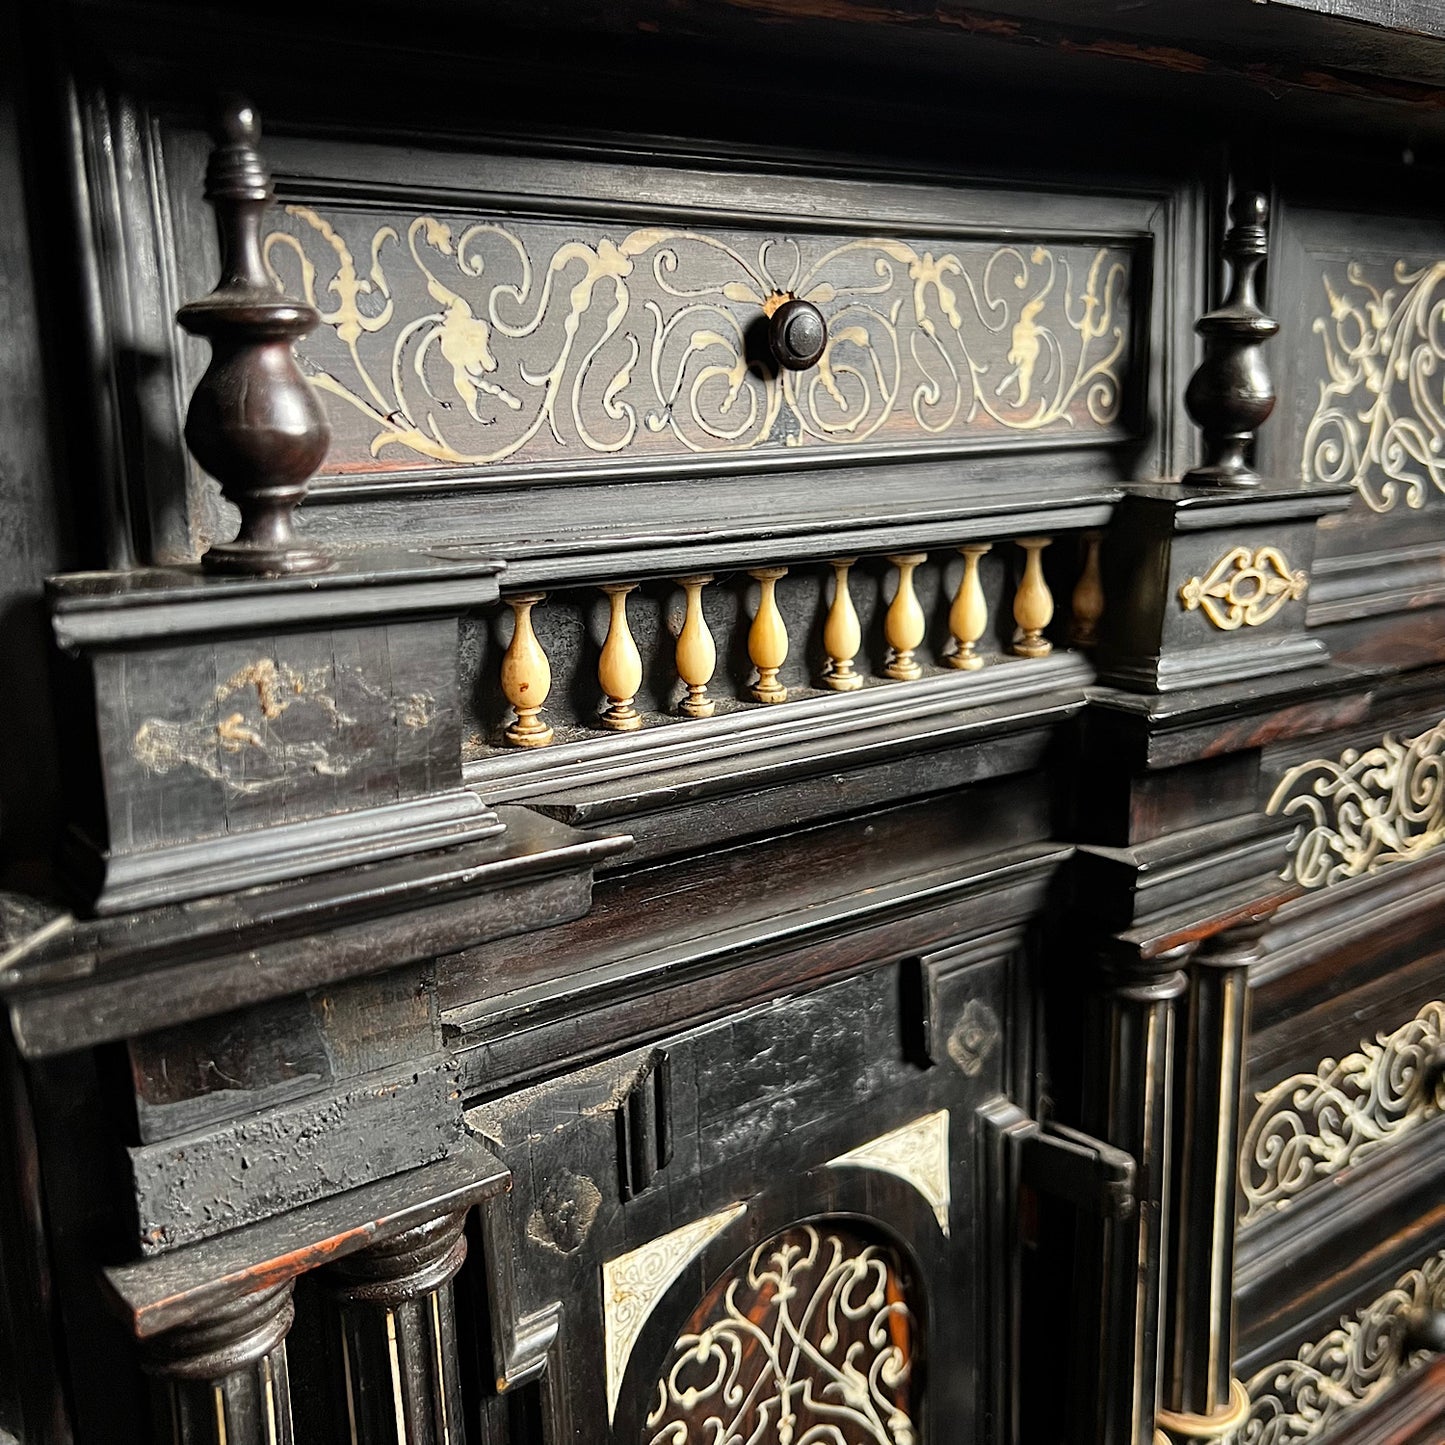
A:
[813,1338]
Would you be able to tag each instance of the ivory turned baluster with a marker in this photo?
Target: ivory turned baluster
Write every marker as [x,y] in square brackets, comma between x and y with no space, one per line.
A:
[696,651]
[526,676]
[619,669]
[968,617]
[1088,598]
[842,637]
[1033,603]
[768,636]
[903,626]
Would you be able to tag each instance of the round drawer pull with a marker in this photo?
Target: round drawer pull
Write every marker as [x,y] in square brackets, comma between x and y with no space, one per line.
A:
[797,334]
[1426,1331]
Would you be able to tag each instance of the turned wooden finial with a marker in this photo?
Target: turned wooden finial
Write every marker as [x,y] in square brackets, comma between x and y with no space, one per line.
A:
[903,623]
[696,651]
[842,637]
[1033,603]
[1088,599]
[254,422]
[619,669]
[1231,394]
[968,617]
[768,636]
[526,676]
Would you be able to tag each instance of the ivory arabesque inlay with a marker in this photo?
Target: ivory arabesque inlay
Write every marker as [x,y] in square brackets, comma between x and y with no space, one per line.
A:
[1365,809]
[1328,1380]
[632,1284]
[466,340]
[1244,588]
[1311,1126]
[810,1342]
[916,1153]
[1379,423]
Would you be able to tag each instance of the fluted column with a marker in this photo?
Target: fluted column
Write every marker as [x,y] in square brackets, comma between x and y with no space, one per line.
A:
[224,1381]
[400,1376]
[1128,1096]
[1199,1390]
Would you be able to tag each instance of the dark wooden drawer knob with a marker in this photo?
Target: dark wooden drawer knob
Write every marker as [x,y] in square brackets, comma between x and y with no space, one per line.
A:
[797,334]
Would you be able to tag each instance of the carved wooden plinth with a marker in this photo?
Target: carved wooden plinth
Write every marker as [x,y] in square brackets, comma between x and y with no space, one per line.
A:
[400,1380]
[224,1381]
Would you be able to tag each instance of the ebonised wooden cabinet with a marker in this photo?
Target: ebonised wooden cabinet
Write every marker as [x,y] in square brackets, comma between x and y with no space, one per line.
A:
[724,724]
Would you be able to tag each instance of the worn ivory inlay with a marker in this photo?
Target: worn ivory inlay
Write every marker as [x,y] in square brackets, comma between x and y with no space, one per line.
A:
[632,1284]
[917,1154]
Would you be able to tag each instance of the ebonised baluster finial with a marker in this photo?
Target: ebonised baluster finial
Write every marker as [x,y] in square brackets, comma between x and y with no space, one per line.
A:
[1231,393]
[254,422]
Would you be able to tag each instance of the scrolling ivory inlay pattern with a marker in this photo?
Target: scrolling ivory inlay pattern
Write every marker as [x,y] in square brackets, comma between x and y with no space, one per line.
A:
[633,1283]
[1380,420]
[1244,588]
[1365,809]
[1310,1126]
[917,1154]
[465,341]
[812,1342]
[1299,1400]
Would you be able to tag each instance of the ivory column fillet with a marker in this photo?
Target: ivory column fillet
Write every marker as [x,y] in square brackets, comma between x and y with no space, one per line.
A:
[842,636]
[768,636]
[903,625]
[968,617]
[619,669]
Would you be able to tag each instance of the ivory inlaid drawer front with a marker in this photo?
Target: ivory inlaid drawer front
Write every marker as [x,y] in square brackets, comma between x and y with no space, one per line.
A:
[1337,1373]
[1316,1123]
[473,338]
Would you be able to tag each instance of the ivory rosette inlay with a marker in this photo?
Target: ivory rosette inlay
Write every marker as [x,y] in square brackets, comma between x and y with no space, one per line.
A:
[633,1283]
[1310,1126]
[1379,423]
[1365,809]
[918,1154]
[1244,588]
[1328,1380]
[810,1342]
